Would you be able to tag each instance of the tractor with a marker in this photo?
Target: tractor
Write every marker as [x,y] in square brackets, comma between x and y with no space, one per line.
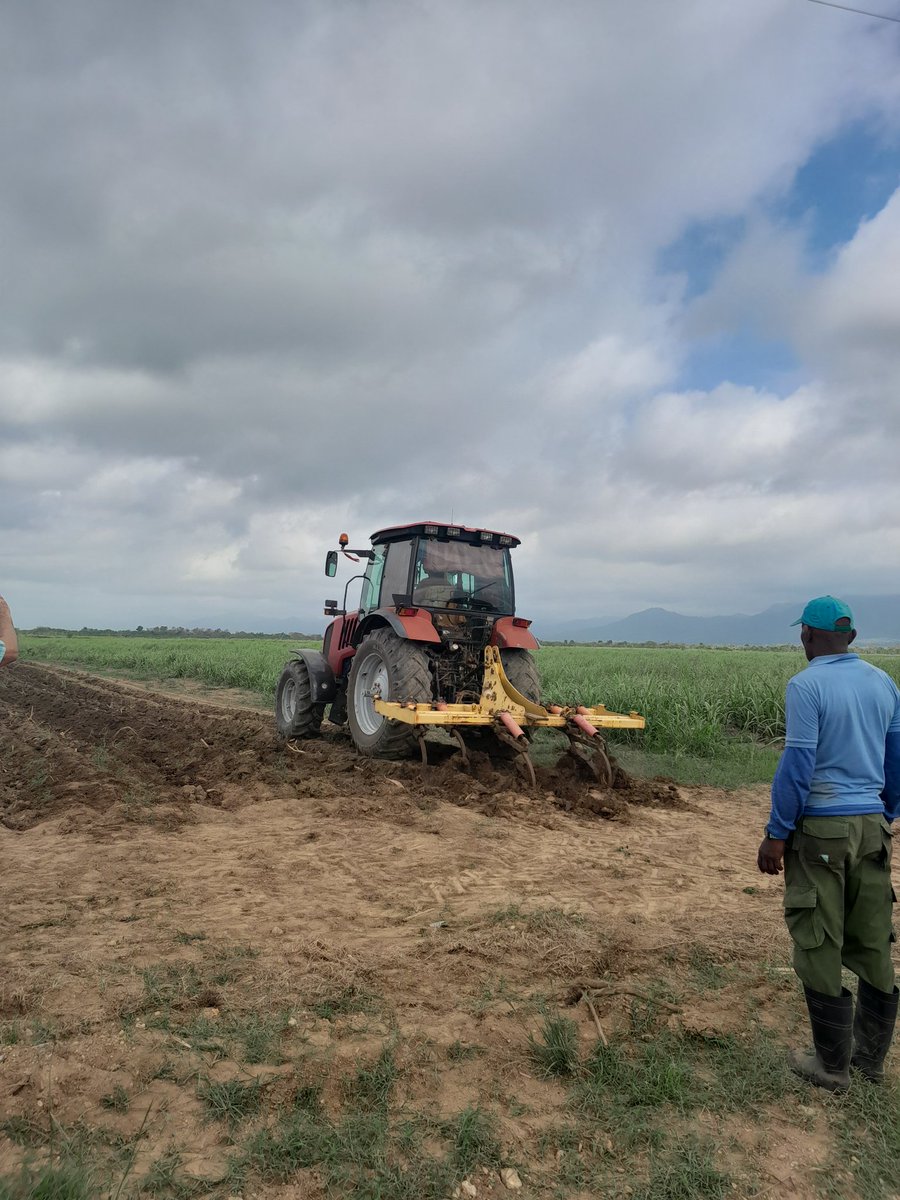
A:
[434,643]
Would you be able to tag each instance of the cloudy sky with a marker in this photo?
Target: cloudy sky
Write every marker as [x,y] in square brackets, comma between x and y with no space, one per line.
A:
[622,278]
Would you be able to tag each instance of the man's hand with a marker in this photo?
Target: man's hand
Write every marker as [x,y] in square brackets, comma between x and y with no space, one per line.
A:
[770,858]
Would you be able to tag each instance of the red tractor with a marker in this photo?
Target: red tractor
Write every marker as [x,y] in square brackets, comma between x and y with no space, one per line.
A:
[435,641]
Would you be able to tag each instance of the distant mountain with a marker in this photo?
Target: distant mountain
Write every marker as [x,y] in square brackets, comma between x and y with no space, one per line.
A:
[877,620]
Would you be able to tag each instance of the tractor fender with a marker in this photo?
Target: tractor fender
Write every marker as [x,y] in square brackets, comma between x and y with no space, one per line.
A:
[508,636]
[415,628]
[322,683]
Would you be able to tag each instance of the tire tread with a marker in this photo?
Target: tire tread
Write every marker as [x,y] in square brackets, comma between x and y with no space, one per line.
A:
[307,720]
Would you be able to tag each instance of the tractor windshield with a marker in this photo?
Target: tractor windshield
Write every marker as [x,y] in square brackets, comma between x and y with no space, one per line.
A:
[462,575]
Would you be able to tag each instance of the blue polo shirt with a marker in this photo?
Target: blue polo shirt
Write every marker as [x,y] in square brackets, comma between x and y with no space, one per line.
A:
[839,713]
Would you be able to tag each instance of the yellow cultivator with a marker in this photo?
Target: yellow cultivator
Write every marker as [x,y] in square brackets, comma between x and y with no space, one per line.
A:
[504,708]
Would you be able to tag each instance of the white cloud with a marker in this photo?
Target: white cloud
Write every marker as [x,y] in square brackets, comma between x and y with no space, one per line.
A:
[365,263]
[852,326]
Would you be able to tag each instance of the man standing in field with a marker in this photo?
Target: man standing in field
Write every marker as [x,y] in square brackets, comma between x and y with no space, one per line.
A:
[9,646]
[835,792]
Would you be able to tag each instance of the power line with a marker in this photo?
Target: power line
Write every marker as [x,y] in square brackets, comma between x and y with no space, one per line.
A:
[862,13]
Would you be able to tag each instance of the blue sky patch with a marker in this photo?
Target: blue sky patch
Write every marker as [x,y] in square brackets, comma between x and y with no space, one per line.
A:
[847,180]
[700,251]
[741,358]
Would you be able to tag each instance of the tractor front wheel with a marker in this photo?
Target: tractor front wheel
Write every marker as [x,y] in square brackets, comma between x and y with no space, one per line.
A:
[295,714]
[388,668]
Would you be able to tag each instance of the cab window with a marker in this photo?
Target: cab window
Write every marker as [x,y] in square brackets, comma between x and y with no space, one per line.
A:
[371,587]
[395,581]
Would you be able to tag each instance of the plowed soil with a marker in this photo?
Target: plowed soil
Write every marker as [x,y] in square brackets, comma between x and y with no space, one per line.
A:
[71,742]
[167,863]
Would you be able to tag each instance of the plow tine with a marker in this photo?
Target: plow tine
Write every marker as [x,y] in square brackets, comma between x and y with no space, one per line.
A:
[420,734]
[524,761]
[464,753]
[578,753]
[603,766]
[590,753]
[509,732]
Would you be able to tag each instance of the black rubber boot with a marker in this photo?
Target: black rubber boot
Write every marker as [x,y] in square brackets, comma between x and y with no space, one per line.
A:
[831,1018]
[873,1028]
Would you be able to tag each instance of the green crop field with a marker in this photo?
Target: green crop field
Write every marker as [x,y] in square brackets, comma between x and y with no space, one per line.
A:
[712,715]
[250,663]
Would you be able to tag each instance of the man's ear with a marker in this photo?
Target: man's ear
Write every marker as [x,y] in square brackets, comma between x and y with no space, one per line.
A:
[852,637]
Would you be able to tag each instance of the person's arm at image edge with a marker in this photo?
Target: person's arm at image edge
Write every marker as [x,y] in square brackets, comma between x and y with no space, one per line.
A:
[890,797]
[7,636]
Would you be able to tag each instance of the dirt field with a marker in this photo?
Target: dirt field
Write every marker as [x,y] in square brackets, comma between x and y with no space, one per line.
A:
[235,967]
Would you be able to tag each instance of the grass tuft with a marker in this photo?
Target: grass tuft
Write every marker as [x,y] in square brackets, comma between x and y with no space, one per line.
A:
[231,1101]
[867,1118]
[536,920]
[688,1172]
[67,1181]
[708,971]
[299,1141]
[260,1036]
[460,1051]
[557,1051]
[343,1003]
[370,1088]
[185,939]
[118,1100]
[473,1137]
[10,1034]
[308,1098]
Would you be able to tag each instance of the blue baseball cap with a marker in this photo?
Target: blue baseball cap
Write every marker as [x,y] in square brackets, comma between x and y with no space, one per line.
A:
[825,612]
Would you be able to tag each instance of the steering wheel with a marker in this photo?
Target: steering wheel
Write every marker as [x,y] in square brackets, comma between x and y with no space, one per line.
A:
[471,602]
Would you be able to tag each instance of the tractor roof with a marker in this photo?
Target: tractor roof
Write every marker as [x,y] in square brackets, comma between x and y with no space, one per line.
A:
[444,531]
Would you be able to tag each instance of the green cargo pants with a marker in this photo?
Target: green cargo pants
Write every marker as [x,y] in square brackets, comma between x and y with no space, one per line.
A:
[837,901]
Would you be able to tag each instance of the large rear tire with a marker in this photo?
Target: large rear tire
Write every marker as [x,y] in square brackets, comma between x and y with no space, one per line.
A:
[399,670]
[522,672]
[295,714]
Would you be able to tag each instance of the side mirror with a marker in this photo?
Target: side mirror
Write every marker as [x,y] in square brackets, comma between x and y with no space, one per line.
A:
[331,564]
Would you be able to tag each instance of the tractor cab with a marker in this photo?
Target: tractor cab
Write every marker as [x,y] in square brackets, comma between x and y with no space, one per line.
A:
[439,567]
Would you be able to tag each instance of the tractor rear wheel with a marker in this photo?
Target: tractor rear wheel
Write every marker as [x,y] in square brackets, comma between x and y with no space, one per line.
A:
[295,714]
[397,670]
[522,672]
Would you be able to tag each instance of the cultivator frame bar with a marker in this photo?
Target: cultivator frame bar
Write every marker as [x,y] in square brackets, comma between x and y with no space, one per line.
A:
[504,708]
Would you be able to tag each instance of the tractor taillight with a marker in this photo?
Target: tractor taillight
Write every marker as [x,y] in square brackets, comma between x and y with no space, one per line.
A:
[521,622]
[406,612]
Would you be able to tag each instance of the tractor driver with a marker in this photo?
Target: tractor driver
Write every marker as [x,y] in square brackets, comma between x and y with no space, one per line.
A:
[434,587]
